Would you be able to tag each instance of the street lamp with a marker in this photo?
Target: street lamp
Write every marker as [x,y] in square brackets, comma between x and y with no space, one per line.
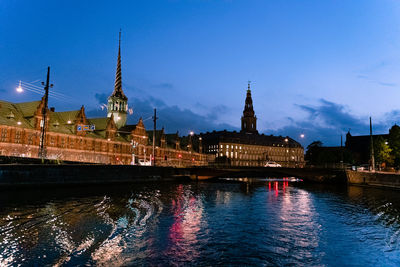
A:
[134,145]
[19,88]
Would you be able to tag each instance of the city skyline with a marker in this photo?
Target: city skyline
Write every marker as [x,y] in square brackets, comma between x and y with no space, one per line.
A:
[318,76]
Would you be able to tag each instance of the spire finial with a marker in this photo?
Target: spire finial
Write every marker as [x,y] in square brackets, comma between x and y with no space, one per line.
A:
[118,79]
[248,85]
[119,42]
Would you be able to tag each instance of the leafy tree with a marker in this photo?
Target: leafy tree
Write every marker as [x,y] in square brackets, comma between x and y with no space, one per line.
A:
[394,143]
[382,151]
[312,153]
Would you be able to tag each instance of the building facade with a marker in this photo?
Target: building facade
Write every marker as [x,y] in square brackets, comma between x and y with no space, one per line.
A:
[71,136]
[248,147]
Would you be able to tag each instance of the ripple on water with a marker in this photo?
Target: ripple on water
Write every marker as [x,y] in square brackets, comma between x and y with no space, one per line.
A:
[205,224]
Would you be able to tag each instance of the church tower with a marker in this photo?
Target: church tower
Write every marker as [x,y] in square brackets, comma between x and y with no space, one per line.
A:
[117,101]
[249,120]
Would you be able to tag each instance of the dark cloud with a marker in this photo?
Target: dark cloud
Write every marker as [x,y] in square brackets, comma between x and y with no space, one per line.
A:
[173,118]
[327,121]
[101,98]
[165,86]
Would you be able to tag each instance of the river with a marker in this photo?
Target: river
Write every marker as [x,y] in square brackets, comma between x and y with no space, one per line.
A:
[255,222]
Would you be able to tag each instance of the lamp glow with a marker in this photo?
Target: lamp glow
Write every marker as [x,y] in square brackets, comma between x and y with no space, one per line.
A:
[19,88]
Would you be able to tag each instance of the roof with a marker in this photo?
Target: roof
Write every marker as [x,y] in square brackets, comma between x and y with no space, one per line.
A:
[22,114]
[248,138]
[11,114]
[159,134]
[127,128]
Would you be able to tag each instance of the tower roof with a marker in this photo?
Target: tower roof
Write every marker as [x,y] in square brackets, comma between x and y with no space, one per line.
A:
[248,110]
[118,78]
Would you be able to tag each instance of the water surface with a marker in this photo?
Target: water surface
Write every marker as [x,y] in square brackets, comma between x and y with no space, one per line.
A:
[201,223]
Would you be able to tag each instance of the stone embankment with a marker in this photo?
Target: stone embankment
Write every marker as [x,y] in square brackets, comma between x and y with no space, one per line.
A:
[380,179]
[39,174]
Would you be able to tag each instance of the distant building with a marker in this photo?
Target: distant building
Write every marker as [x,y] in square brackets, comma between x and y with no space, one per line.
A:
[360,146]
[71,136]
[248,147]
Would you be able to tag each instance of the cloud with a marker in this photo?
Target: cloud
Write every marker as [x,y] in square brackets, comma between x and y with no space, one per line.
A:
[165,86]
[365,77]
[101,98]
[171,117]
[174,118]
[327,121]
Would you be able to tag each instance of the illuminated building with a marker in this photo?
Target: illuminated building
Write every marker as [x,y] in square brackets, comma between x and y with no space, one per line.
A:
[248,147]
[71,136]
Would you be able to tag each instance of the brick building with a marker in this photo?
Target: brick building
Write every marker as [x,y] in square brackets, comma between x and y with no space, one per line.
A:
[71,136]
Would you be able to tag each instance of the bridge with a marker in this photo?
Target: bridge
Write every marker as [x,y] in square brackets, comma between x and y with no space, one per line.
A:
[321,175]
[79,174]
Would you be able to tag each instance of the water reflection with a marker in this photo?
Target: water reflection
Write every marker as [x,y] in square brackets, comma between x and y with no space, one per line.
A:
[187,214]
[250,222]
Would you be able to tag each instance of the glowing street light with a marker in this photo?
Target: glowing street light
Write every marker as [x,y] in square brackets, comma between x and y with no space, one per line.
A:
[19,88]
[301,135]
[191,133]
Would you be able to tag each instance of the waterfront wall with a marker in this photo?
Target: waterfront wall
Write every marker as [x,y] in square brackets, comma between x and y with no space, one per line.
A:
[28,175]
[373,179]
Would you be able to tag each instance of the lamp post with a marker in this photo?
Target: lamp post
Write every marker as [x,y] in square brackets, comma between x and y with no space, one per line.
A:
[42,147]
[134,145]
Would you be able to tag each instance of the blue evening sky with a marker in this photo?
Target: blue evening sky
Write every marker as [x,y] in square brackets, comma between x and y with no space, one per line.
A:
[317,67]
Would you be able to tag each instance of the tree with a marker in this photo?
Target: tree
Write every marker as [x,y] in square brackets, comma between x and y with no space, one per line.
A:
[382,151]
[312,153]
[394,143]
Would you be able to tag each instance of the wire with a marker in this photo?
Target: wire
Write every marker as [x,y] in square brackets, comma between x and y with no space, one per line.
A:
[40,88]
[36,90]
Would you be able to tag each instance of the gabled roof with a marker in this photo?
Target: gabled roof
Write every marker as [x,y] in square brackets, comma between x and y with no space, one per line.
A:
[127,128]
[27,109]
[99,123]
[59,121]
[11,114]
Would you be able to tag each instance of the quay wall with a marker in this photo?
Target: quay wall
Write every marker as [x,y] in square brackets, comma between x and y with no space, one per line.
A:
[373,179]
[35,174]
